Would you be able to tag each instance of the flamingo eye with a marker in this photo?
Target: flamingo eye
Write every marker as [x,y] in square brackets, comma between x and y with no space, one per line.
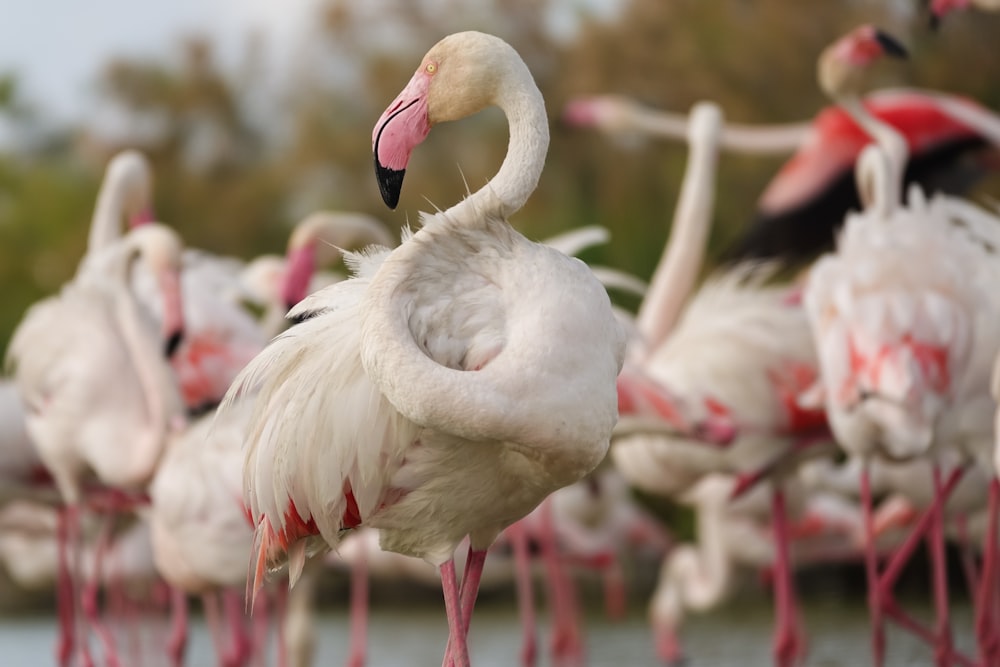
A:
[431,68]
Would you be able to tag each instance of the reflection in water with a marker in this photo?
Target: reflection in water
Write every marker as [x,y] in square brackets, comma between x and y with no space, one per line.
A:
[738,636]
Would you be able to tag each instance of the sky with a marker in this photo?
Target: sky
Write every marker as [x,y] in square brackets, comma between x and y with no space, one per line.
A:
[57,47]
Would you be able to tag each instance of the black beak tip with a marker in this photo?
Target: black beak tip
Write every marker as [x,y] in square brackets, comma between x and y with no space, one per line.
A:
[173,342]
[891,45]
[390,183]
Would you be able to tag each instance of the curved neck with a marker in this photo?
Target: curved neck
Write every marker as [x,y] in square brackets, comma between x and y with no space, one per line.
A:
[891,142]
[706,577]
[144,352]
[680,263]
[106,224]
[506,192]
[758,140]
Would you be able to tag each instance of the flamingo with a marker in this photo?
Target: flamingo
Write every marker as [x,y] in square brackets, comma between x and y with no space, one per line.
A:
[899,340]
[200,533]
[953,142]
[19,462]
[275,284]
[739,355]
[267,279]
[941,8]
[444,409]
[731,534]
[99,395]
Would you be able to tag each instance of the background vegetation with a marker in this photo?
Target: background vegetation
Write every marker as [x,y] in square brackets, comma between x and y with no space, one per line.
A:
[236,164]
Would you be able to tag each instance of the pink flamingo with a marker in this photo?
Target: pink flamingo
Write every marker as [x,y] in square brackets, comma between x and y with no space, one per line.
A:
[65,350]
[436,402]
[897,341]
[950,138]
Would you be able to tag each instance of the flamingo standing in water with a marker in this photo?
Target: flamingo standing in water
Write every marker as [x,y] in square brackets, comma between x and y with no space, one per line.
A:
[99,394]
[729,369]
[901,341]
[435,394]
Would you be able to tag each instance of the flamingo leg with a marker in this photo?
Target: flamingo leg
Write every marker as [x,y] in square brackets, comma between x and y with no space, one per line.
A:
[281,615]
[614,589]
[468,592]
[177,641]
[518,537]
[359,610]
[91,592]
[875,604]
[788,642]
[213,618]
[567,647]
[457,649]
[986,630]
[943,645]
[66,601]
[233,605]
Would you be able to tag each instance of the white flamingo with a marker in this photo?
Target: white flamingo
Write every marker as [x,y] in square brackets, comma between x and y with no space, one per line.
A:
[899,339]
[444,409]
[738,354]
[99,394]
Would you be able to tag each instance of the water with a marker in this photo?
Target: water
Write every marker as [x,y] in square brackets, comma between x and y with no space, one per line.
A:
[736,636]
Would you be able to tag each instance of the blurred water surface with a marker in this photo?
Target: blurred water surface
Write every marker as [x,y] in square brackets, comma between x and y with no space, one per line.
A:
[738,636]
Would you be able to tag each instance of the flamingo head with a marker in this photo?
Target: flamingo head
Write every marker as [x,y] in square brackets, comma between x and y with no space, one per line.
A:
[459,76]
[844,65]
[300,265]
[605,112]
[941,8]
[160,247]
[131,169]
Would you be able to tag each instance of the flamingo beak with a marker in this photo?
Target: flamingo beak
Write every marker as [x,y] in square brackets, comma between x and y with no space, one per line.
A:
[890,45]
[143,217]
[400,128]
[300,264]
[173,311]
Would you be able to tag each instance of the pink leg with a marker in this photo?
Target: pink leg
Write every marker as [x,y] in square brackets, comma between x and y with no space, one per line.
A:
[213,618]
[91,593]
[986,631]
[567,647]
[474,562]
[903,553]
[458,649]
[359,611]
[875,604]
[908,623]
[177,641]
[788,646]
[614,589]
[260,621]
[518,537]
[234,605]
[943,645]
[65,594]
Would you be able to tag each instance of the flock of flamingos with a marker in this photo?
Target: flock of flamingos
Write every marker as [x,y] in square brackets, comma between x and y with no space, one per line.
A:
[468,391]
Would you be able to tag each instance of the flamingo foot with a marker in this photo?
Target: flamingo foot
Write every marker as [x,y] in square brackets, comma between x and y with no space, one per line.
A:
[789,647]
[668,646]
[567,646]
[529,651]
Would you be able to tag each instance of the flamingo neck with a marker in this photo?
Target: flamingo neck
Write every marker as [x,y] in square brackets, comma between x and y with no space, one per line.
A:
[143,350]
[522,103]
[892,143]
[675,275]
[106,224]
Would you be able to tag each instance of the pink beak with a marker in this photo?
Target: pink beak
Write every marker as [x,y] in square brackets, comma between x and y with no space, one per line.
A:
[400,128]
[173,311]
[299,267]
[580,112]
[143,217]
